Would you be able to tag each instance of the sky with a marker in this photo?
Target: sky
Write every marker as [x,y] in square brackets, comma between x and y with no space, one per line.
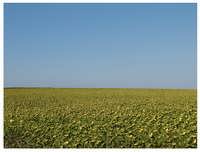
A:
[100,45]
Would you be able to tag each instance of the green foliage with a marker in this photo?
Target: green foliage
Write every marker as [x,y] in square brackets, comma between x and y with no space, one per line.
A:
[100,118]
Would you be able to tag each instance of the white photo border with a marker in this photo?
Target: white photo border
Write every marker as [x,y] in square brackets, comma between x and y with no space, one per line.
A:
[2,2]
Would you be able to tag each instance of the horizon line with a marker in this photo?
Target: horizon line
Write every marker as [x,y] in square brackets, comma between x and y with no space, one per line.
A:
[98,88]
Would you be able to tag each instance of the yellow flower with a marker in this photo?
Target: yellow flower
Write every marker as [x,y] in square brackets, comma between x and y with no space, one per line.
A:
[65,143]
[151,135]
[141,129]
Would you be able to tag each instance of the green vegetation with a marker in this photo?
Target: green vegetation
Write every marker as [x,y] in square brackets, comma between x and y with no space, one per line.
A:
[93,118]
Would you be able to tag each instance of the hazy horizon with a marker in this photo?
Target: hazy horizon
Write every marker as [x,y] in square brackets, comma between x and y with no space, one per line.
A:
[43,87]
[100,45]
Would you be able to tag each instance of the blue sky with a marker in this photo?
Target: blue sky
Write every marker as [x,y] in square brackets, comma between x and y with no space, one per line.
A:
[100,45]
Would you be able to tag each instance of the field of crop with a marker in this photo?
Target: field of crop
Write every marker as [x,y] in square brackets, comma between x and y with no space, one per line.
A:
[100,118]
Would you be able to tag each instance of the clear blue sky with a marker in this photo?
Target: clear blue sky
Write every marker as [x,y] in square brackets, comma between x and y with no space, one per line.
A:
[100,45]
